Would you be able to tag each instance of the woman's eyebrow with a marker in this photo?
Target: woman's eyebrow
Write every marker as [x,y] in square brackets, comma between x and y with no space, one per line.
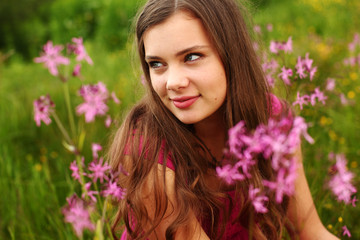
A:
[190,49]
[186,50]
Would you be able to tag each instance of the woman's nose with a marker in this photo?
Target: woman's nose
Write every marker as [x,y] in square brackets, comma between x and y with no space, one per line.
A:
[176,79]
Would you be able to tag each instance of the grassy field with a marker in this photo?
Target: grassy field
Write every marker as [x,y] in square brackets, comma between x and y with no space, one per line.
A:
[35,178]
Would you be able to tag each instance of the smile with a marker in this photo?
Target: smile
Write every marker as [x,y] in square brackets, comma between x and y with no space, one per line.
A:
[184,102]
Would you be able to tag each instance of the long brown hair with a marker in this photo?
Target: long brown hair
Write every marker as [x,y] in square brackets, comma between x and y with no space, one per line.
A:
[150,131]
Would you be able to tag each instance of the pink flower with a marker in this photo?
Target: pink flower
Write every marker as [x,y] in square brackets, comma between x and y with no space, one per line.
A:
[108,121]
[343,99]
[350,61]
[257,29]
[276,146]
[275,47]
[258,201]
[79,49]
[305,65]
[331,155]
[95,97]
[95,148]
[357,38]
[89,192]
[122,170]
[340,183]
[330,84]
[319,95]
[301,100]
[356,41]
[98,170]
[242,146]
[352,46]
[246,162]
[270,80]
[285,182]
[256,46]
[114,98]
[276,106]
[76,71]
[300,70]
[112,189]
[276,142]
[43,107]
[312,72]
[300,128]
[285,74]
[269,27]
[51,57]
[270,66]
[77,213]
[229,173]
[287,47]
[235,133]
[307,62]
[75,169]
[346,231]
[353,201]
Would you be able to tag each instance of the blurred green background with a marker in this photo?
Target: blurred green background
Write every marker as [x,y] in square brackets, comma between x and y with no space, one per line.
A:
[34,167]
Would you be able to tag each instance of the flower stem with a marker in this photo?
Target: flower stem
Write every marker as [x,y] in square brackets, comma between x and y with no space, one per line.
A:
[62,129]
[103,218]
[68,106]
[104,210]
[81,173]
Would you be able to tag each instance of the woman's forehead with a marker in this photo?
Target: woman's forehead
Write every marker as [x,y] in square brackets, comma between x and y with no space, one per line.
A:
[176,33]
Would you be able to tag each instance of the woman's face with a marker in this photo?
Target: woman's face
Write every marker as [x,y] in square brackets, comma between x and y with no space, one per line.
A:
[185,68]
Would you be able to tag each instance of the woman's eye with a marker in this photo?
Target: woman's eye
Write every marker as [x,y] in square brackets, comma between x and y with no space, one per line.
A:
[155,64]
[192,57]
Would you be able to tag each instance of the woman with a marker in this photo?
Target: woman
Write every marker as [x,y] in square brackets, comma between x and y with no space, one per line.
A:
[202,77]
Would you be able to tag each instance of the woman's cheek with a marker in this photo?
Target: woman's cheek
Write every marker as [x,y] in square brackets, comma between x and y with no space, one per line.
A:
[159,86]
[155,84]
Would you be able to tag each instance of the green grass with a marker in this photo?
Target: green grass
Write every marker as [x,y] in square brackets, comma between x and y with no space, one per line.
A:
[34,173]
[34,167]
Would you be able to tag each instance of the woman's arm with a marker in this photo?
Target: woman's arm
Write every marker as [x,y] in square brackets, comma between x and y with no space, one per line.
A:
[302,211]
[191,231]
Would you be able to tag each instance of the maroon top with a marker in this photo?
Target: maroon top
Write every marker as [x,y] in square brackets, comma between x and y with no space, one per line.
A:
[233,231]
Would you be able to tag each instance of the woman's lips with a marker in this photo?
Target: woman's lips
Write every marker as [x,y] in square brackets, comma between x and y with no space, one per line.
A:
[184,102]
